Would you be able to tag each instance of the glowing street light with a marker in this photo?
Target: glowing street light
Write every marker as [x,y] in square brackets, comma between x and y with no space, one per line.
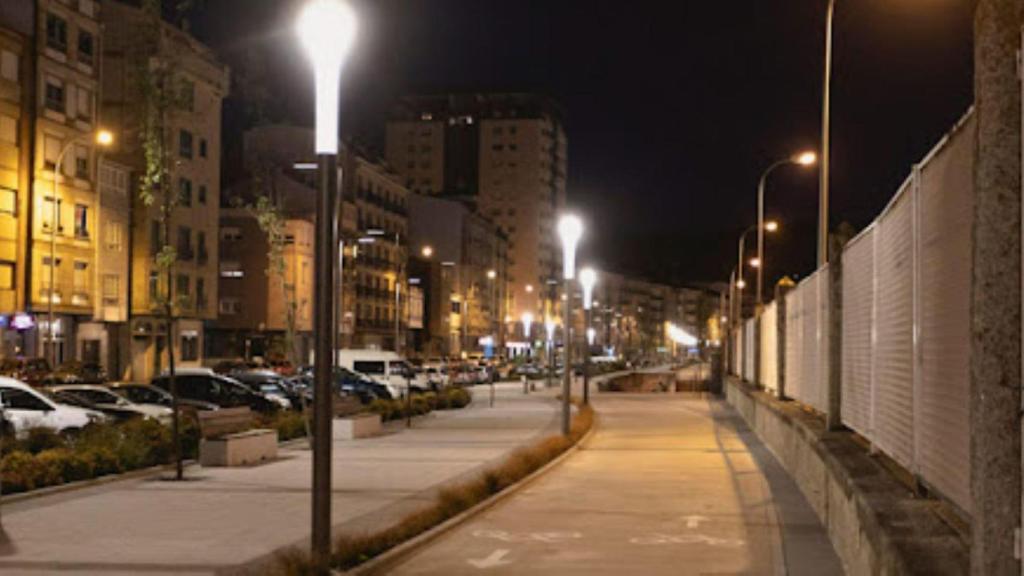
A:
[527,320]
[754,263]
[327,30]
[805,159]
[588,278]
[570,230]
[427,251]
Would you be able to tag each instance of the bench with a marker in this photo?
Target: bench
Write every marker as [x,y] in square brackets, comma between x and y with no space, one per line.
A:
[227,438]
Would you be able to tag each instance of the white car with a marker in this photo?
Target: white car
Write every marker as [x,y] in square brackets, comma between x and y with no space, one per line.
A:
[383,367]
[25,408]
[104,399]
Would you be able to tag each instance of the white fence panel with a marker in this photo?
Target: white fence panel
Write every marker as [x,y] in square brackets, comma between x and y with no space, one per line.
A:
[794,343]
[748,350]
[858,332]
[769,377]
[894,349]
[945,207]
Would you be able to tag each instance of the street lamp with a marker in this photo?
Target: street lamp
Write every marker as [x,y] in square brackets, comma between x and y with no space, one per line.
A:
[549,329]
[326,29]
[527,320]
[427,251]
[771,226]
[105,139]
[570,230]
[826,135]
[803,159]
[588,278]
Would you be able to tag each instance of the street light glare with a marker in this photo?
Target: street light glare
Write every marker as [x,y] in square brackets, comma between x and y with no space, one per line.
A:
[105,138]
[741,284]
[771,226]
[807,159]
[492,274]
[327,29]
[427,251]
[588,278]
[570,230]
[755,262]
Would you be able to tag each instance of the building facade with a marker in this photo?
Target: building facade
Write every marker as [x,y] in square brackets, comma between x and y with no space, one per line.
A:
[470,310]
[193,135]
[507,153]
[256,297]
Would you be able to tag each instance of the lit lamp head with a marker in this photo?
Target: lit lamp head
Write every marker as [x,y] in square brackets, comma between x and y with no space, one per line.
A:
[741,284]
[527,319]
[427,251]
[492,274]
[570,230]
[591,335]
[755,262]
[806,158]
[771,226]
[327,29]
[588,278]
[105,138]
[549,326]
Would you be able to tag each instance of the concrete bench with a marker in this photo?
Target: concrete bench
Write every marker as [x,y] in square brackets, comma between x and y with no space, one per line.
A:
[355,427]
[228,439]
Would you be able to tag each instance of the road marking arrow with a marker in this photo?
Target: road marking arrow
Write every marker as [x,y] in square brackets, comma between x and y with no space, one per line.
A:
[694,521]
[497,558]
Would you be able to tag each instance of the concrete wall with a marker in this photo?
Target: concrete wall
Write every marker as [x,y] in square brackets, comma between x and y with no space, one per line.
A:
[877,524]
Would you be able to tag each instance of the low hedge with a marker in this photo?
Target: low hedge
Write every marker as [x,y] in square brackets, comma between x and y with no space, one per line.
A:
[447,399]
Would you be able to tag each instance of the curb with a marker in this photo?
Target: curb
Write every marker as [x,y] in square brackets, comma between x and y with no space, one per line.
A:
[389,559]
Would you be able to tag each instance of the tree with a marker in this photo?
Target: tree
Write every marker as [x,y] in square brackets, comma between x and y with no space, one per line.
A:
[163,91]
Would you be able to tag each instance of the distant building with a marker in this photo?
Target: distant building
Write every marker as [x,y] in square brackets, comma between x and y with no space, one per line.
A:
[195,140]
[507,153]
[254,299]
[472,254]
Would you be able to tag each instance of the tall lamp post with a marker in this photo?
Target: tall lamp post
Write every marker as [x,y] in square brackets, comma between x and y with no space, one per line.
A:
[103,138]
[826,136]
[588,278]
[326,29]
[549,328]
[570,230]
[804,159]
[770,226]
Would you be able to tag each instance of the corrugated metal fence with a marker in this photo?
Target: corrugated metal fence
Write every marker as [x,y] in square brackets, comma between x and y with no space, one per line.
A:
[905,326]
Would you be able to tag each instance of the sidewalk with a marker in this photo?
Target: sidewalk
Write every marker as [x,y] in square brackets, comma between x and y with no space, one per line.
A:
[669,484]
[222,518]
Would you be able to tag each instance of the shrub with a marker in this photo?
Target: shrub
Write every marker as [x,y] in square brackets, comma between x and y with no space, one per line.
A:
[20,471]
[39,439]
[418,405]
[51,466]
[458,397]
[104,460]
[289,425]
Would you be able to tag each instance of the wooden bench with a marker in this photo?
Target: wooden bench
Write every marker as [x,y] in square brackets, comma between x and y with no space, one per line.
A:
[227,438]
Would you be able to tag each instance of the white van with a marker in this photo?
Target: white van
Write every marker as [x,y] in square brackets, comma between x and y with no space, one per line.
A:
[385,367]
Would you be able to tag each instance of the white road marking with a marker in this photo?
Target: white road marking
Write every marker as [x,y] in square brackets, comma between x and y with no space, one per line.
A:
[694,521]
[546,537]
[497,558]
[659,539]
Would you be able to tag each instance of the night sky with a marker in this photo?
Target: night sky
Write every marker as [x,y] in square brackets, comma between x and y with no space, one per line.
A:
[673,107]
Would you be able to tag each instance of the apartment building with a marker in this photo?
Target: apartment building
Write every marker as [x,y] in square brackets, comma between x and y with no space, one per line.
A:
[373,294]
[17,32]
[106,339]
[508,153]
[194,134]
[472,253]
[255,297]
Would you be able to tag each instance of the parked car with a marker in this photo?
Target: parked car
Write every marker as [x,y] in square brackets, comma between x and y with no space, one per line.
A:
[78,372]
[148,395]
[32,371]
[350,383]
[271,385]
[25,408]
[216,389]
[387,368]
[104,400]
[231,366]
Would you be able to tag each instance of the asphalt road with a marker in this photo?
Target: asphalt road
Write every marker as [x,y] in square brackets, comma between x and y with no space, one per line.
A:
[669,484]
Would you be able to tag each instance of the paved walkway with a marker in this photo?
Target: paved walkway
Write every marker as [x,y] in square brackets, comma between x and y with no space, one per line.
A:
[669,484]
[225,517]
